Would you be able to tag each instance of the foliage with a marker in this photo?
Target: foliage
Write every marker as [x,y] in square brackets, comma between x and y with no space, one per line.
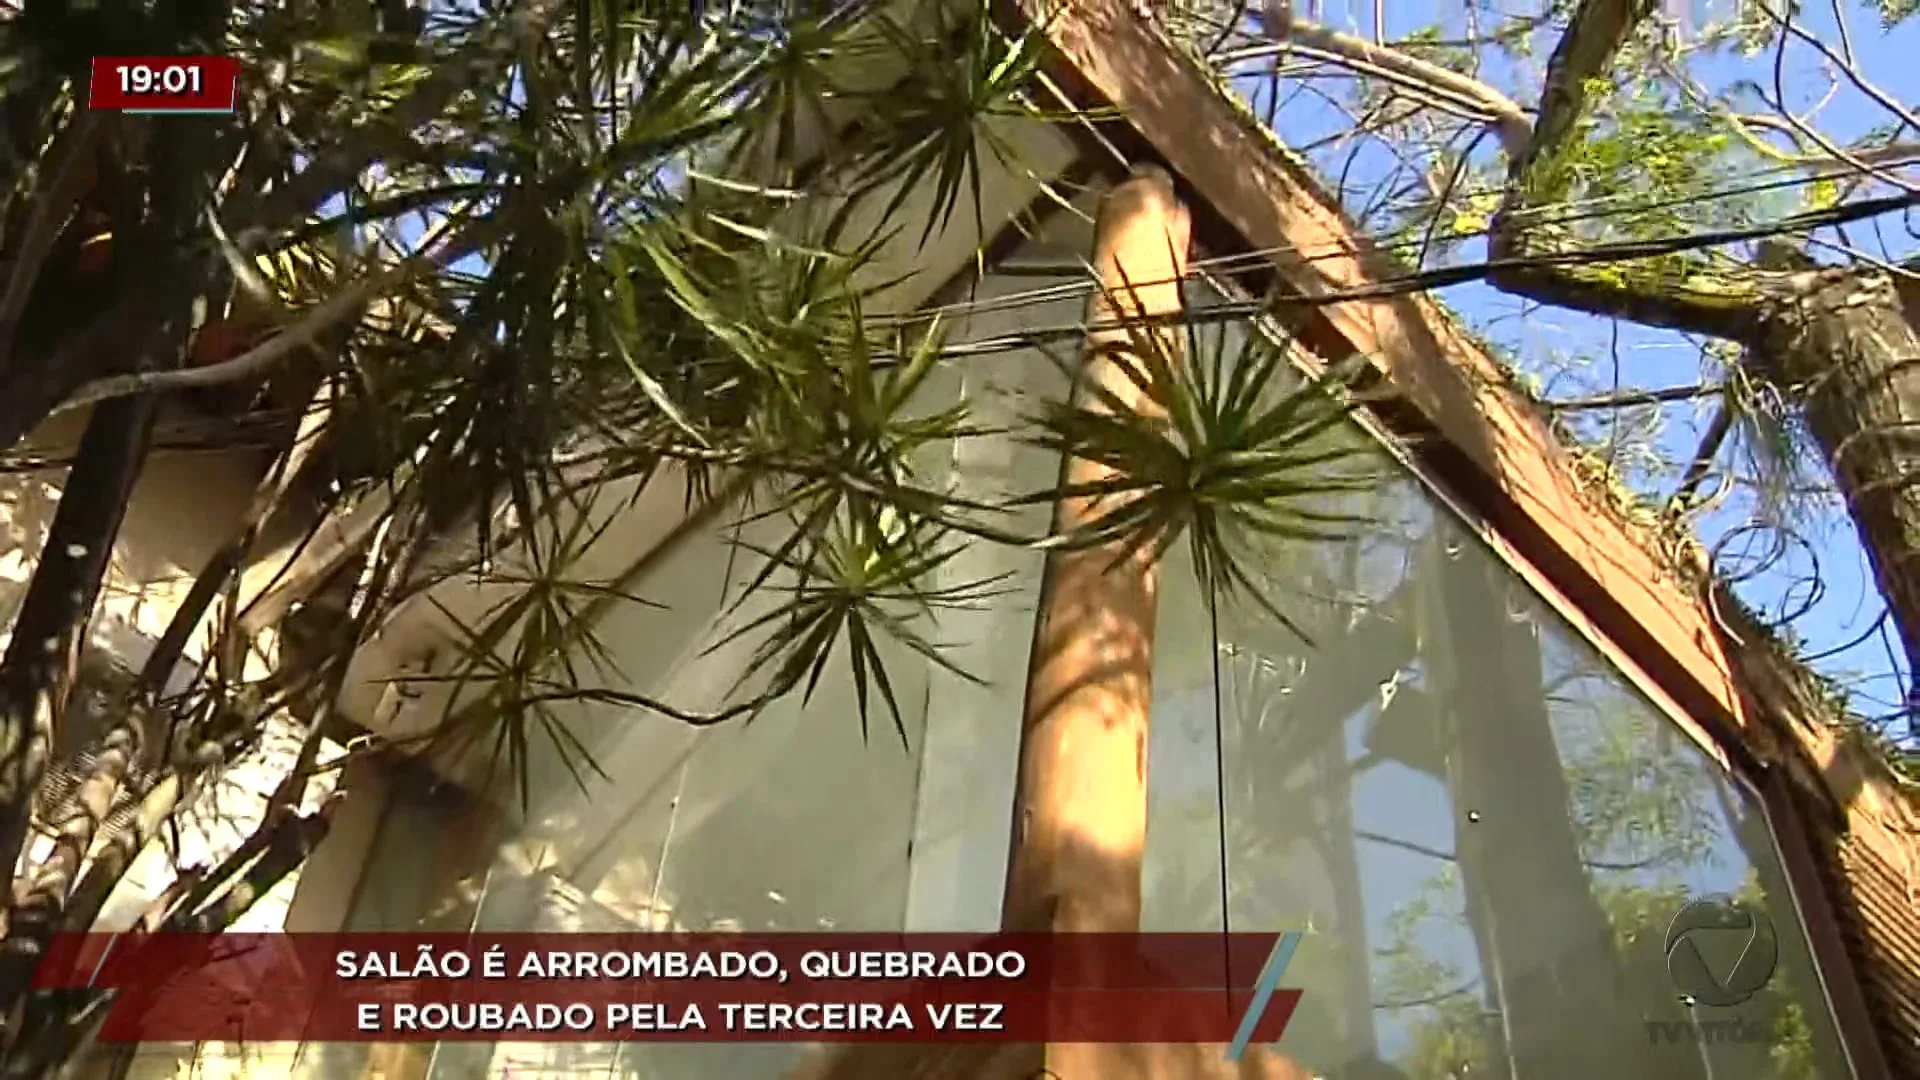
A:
[1232,451]
[481,282]
[1893,12]
[1644,124]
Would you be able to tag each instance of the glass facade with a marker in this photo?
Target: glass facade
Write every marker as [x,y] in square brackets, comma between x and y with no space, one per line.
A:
[798,820]
[1483,829]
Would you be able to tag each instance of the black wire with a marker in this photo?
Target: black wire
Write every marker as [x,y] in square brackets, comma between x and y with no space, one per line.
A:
[1220,791]
[1459,274]
[1260,257]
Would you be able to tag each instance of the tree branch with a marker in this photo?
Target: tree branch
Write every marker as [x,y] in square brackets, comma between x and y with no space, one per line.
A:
[287,841]
[1408,72]
[71,158]
[118,851]
[1585,52]
[37,672]
[1598,31]
[257,361]
[1600,28]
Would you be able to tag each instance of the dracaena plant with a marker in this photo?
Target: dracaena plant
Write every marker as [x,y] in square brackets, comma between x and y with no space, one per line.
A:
[1235,450]
[459,299]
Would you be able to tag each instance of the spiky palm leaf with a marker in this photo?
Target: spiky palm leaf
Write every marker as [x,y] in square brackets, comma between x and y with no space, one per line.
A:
[1237,448]
[604,241]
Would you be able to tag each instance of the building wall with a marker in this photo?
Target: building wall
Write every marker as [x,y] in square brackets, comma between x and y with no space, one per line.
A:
[1485,828]
[1438,784]
[800,819]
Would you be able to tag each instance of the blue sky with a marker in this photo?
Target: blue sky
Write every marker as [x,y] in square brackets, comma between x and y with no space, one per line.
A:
[1575,354]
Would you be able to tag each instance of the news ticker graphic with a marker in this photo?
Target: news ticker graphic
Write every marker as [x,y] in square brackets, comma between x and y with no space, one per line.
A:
[1263,994]
[164,84]
[1112,988]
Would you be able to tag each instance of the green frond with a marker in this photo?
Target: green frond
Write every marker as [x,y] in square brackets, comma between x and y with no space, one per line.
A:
[668,222]
[929,129]
[854,582]
[1242,451]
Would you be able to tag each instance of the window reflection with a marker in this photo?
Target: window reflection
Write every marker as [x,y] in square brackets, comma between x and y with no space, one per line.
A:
[799,820]
[1484,830]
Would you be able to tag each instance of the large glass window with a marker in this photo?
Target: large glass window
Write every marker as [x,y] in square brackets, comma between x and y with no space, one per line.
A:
[798,820]
[1482,828]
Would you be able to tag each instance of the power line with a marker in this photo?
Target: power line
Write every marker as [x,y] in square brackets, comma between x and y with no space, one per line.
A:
[1250,259]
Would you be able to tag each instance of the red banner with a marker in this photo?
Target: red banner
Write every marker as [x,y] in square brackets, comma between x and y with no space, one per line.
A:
[162,84]
[675,987]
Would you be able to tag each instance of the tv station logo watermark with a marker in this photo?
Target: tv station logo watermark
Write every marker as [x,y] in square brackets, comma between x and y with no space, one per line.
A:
[1720,953]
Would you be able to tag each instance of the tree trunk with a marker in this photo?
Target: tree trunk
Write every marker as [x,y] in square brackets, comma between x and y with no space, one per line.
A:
[1546,945]
[1080,821]
[37,672]
[1847,344]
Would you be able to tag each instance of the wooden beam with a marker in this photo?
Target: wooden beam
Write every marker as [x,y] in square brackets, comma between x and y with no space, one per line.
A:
[1474,430]
[1080,815]
[1081,809]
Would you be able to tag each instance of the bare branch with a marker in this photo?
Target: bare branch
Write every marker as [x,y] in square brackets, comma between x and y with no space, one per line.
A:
[71,159]
[37,672]
[257,361]
[1430,80]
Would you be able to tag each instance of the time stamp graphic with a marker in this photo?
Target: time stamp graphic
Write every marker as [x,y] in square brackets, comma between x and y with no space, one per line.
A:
[164,84]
